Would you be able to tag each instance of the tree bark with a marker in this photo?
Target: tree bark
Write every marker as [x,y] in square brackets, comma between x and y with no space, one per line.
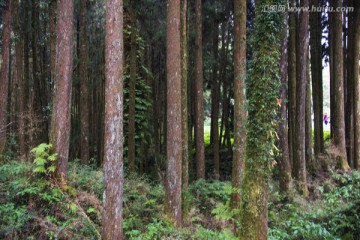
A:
[263,89]
[316,77]
[299,164]
[84,87]
[113,131]
[338,121]
[199,105]
[60,119]
[356,59]
[132,96]
[284,161]
[308,121]
[184,97]
[5,75]
[239,99]
[174,119]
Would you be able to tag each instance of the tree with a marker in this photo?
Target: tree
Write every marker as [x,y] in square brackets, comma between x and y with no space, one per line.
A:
[113,130]
[239,95]
[356,59]
[5,75]
[299,164]
[337,114]
[199,105]
[60,119]
[262,94]
[132,95]
[174,119]
[20,78]
[84,87]
[184,97]
[316,77]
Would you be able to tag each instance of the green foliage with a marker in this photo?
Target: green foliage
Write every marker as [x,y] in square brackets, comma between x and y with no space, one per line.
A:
[44,160]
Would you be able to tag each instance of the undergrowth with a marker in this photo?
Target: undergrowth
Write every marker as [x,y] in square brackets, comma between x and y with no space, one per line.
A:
[34,206]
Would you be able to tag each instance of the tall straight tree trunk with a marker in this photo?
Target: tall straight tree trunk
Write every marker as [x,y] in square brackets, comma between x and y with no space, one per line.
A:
[292,83]
[20,79]
[113,131]
[316,77]
[299,164]
[199,100]
[263,89]
[215,102]
[52,26]
[349,87]
[174,119]
[132,96]
[84,87]
[60,119]
[356,59]
[184,97]
[338,121]
[239,98]
[5,75]
[308,121]
[284,162]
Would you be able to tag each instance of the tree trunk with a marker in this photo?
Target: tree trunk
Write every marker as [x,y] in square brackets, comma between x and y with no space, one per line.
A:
[174,119]
[5,75]
[132,96]
[239,99]
[292,83]
[263,89]
[84,87]
[299,164]
[214,137]
[308,121]
[316,77]
[199,106]
[284,161]
[356,59]
[20,80]
[184,97]
[338,121]
[113,132]
[61,119]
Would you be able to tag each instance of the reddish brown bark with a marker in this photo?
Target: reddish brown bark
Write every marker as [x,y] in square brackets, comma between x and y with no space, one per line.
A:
[84,87]
[184,97]
[113,132]
[60,119]
[338,121]
[5,75]
[199,100]
[174,138]
[239,95]
[301,80]
[20,79]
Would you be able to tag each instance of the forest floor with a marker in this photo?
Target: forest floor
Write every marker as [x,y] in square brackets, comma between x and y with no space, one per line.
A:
[34,207]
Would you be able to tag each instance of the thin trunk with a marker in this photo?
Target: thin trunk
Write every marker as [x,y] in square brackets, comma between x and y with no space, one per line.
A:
[61,119]
[338,121]
[299,163]
[308,121]
[316,77]
[84,87]
[292,83]
[132,97]
[199,105]
[5,75]
[184,97]
[356,59]
[239,99]
[113,131]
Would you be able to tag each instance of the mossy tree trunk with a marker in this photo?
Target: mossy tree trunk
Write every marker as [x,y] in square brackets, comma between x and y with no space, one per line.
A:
[263,89]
